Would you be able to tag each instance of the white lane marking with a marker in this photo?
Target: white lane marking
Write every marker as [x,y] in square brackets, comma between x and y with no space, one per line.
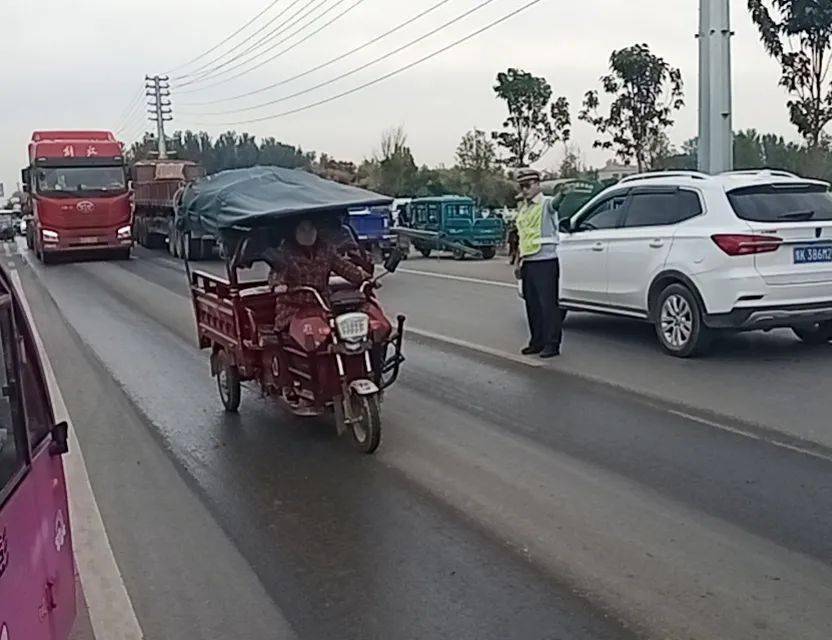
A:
[753,436]
[448,276]
[529,362]
[473,346]
[110,608]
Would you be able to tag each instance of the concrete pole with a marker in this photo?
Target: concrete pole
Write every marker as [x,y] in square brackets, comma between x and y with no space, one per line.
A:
[158,90]
[716,135]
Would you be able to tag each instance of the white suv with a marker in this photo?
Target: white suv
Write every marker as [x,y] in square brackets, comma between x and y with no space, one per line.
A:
[697,254]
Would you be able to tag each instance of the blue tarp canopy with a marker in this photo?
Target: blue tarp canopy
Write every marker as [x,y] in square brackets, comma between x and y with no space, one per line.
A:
[233,203]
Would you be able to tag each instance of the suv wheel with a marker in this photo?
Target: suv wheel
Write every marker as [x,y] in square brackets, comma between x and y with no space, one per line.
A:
[678,321]
[818,333]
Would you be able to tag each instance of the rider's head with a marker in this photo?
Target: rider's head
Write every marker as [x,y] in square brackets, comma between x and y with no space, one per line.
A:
[306,233]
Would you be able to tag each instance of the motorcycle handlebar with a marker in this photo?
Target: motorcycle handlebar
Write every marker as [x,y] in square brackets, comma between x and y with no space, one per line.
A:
[373,284]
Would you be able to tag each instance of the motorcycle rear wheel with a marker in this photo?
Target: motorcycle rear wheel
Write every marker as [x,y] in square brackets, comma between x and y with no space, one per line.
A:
[365,431]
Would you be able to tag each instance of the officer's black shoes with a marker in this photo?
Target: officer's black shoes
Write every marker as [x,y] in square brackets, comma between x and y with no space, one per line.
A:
[550,352]
[531,350]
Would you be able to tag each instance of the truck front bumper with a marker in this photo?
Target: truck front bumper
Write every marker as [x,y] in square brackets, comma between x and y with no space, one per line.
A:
[86,240]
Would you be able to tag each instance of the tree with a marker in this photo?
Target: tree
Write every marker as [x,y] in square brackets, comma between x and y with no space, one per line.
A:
[798,34]
[534,123]
[477,163]
[476,153]
[659,150]
[748,150]
[646,90]
[396,170]
[229,151]
[572,165]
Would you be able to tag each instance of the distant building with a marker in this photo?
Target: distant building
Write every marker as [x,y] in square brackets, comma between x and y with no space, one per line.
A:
[614,171]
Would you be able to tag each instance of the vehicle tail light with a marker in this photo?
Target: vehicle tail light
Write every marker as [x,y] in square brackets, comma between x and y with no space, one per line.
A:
[742,244]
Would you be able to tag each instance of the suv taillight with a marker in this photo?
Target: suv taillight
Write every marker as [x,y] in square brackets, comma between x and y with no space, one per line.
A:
[740,244]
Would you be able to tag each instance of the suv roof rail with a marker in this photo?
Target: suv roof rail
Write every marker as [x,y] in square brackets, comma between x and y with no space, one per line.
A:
[696,175]
[780,173]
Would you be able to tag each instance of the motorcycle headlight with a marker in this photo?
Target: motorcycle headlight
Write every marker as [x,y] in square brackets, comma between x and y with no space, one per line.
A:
[353,327]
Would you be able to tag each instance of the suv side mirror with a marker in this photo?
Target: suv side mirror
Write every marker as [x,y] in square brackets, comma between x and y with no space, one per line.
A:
[565,225]
[60,439]
[393,260]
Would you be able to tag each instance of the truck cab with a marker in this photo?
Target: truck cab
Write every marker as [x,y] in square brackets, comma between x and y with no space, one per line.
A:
[455,222]
[78,194]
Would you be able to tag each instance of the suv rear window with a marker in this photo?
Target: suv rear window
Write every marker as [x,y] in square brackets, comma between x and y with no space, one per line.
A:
[782,203]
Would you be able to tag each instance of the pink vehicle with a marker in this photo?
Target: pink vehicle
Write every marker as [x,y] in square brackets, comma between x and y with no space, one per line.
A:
[37,567]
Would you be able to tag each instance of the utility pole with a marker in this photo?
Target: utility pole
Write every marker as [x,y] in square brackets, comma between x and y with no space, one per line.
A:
[716,134]
[158,90]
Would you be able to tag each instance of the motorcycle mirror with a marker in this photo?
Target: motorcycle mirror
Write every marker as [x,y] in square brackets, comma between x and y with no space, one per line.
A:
[393,260]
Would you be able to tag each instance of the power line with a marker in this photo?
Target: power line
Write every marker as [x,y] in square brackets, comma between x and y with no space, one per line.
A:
[285,39]
[236,33]
[137,117]
[287,24]
[204,69]
[320,66]
[279,53]
[357,69]
[382,78]
[127,114]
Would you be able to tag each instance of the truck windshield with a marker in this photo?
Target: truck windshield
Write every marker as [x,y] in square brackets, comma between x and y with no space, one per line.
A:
[75,179]
[460,211]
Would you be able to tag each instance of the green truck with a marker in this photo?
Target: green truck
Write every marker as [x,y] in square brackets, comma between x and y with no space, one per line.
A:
[451,223]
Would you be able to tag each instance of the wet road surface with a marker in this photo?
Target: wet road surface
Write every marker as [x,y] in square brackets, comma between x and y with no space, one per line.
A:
[506,502]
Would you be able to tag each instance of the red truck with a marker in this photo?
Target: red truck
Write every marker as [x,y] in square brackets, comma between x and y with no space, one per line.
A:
[79,198]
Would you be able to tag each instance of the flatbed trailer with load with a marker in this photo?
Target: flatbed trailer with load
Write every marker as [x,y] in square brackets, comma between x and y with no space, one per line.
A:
[156,184]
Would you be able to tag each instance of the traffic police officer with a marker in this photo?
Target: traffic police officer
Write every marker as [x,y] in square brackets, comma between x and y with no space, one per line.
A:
[537,226]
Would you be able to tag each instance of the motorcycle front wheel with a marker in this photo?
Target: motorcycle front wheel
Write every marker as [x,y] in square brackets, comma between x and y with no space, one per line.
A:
[366,426]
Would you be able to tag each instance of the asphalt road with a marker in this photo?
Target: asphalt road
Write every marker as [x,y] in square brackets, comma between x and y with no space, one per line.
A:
[507,500]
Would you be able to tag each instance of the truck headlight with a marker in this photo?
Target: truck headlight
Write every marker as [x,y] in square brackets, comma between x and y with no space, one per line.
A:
[123,233]
[353,327]
[49,236]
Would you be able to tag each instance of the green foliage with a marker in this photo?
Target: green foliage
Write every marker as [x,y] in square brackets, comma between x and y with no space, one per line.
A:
[228,151]
[798,34]
[480,177]
[646,91]
[753,150]
[534,123]
[396,169]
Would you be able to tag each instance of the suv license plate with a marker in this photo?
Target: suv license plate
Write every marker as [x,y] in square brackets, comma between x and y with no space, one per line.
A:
[807,255]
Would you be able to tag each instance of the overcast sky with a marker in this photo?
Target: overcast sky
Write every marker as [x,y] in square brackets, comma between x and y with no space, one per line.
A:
[78,63]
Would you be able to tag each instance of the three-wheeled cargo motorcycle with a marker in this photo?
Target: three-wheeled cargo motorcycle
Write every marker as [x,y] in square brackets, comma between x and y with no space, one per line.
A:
[338,354]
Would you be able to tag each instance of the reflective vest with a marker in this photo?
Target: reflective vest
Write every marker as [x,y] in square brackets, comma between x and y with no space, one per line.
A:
[530,229]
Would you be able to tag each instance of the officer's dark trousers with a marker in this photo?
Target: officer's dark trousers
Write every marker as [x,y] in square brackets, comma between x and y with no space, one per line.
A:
[541,290]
